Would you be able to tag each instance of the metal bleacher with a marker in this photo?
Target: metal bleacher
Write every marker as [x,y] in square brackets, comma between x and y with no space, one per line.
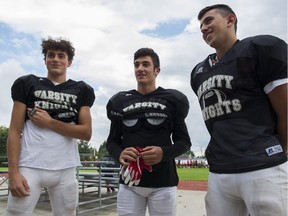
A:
[4,178]
[93,182]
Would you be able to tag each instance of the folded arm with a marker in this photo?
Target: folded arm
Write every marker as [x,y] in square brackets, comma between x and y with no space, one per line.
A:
[82,130]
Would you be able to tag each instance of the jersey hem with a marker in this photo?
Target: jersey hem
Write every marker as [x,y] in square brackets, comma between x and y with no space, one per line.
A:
[243,170]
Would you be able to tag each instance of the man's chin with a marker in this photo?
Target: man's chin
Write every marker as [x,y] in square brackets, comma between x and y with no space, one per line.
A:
[211,43]
[140,79]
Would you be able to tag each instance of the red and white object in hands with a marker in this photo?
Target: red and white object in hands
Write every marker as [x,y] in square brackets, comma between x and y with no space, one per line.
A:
[132,173]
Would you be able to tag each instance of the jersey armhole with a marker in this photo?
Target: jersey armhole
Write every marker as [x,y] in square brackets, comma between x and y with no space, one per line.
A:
[270,86]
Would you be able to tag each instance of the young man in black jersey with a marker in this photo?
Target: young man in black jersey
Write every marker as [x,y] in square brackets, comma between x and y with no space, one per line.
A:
[242,91]
[49,115]
[147,132]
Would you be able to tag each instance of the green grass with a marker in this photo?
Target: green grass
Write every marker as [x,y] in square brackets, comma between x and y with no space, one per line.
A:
[195,174]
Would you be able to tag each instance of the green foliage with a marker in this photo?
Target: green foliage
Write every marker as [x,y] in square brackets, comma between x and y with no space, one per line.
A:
[84,147]
[91,154]
[102,150]
[3,140]
[85,150]
[189,154]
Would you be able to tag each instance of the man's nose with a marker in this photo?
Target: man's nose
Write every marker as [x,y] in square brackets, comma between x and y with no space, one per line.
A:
[140,67]
[203,28]
[55,58]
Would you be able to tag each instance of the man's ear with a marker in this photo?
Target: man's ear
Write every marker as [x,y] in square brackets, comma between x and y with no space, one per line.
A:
[69,63]
[231,20]
[157,71]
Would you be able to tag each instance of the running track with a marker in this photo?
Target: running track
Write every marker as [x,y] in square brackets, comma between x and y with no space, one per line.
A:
[192,185]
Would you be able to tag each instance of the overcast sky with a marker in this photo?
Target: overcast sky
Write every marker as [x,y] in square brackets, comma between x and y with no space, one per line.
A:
[106,33]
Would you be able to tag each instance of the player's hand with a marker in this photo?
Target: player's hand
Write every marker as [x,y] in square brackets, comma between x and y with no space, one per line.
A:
[151,155]
[18,185]
[127,155]
[31,112]
[132,173]
[40,117]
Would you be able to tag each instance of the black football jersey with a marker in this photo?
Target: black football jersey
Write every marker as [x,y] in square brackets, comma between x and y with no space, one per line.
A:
[235,108]
[62,101]
[153,119]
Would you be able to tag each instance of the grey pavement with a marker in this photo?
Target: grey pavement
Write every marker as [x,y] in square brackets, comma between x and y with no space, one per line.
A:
[189,203]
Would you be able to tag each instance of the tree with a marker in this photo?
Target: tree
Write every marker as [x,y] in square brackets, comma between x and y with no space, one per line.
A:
[85,150]
[102,150]
[3,141]
[189,153]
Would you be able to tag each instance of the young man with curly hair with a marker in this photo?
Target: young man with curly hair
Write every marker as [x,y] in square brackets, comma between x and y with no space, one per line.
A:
[49,114]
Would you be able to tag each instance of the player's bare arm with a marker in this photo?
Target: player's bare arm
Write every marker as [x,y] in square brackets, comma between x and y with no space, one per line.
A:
[278,99]
[83,130]
[17,183]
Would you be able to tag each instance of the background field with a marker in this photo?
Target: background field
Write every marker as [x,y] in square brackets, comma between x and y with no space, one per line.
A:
[194,174]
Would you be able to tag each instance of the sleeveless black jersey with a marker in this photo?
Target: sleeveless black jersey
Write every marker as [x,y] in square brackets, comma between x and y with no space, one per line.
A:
[62,101]
[235,108]
[153,119]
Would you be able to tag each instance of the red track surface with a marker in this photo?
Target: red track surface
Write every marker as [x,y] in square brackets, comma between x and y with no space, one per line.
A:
[192,185]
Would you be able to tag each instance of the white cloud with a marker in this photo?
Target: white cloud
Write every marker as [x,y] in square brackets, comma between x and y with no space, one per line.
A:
[107,33]
[10,70]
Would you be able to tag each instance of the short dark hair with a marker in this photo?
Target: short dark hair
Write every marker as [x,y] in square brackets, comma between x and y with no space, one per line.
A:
[223,9]
[148,52]
[58,44]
